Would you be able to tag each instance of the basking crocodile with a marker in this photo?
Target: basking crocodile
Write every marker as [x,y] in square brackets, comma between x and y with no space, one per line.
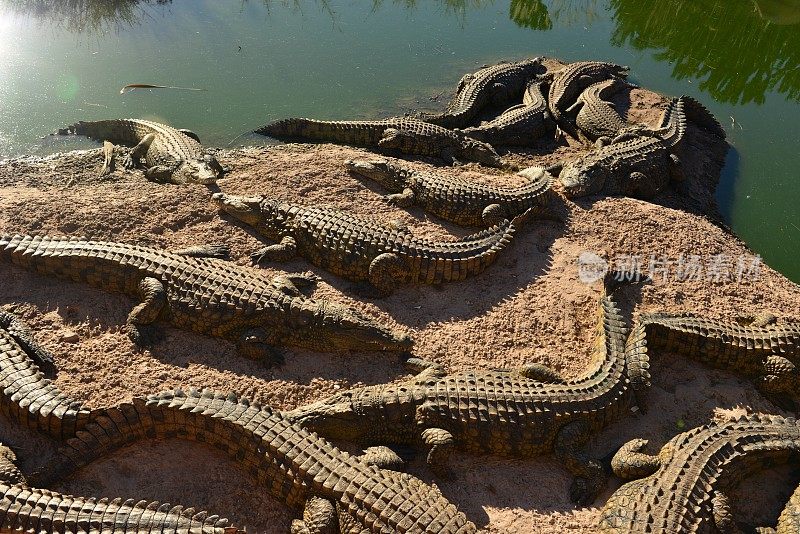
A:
[638,163]
[520,413]
[499,85]
[205,295]
[458,200]
[27,396]
[769,355]
[340,493]
[597,118]
[409,136]
[361,249]
[686,485]
[520,125]
[570,81]
[26,509]
[170,155]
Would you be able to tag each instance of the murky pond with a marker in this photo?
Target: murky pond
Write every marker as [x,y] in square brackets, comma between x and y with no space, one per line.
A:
[253,61]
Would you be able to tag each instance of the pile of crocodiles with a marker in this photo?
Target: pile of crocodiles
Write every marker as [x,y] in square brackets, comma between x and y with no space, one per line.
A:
[515,413]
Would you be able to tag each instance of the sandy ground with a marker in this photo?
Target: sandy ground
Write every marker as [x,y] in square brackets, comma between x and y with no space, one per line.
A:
[528,307]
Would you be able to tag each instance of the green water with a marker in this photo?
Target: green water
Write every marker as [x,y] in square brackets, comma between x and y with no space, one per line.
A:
[61,61]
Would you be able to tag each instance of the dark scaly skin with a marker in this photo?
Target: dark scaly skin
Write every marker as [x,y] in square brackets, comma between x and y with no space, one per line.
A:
[686,490]
[521,125]
[638,163]
[767,355]
[26,509]
[361,249]
[291,463]
[27,396]
[205,295]
[789,521]
[172,156]
[597,118]
[499,84]
[409,136]
[569,83]
[464,202]
[521,413]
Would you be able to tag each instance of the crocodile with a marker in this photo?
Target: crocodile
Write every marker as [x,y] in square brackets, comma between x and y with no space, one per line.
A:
[27,396]
[362,249]
[499,85]
[170,155]
[26,509]
[768,355]
[570,81]
[336,491]
[638,163]
[685,488]
[408,136]
[789,521]
[461,201]
[207,296]
[512,413]
[521,125]
[597,118]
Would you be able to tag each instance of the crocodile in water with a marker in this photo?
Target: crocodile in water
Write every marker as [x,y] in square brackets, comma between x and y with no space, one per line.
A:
[338,492]
[205,295]
[409,136]
[362,249]
[521,125]
[464,202]
[26,509]
[686,487]
[170,155]
[498,85]
[520,413]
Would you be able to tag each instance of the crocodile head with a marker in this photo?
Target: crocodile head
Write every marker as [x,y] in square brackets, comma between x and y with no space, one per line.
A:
[329,327]
[204,170]
[475,150]
[334,417]
[581,179]
[379,170]
[246,209]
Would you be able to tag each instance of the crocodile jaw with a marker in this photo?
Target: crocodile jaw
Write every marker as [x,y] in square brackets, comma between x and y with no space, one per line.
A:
[579,180]
[334,418]
[375,169]
[246,209]
[339,328]
[197,172]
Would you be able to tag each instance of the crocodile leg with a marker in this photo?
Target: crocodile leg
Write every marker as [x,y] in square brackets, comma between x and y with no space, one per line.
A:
[386,272]
[424,368]
[441,444]
[15,327]
[292,283]
[190,133]
[590,477]
[401,200]
[383,458]
[205,251]
[319,517]
[542,373]
[723,517]
[492,215]
[138,152]
[154,299]
[161,174]
[108,158]
[397,224]
[280,252]
[780,381]
[630,463]
[257,344]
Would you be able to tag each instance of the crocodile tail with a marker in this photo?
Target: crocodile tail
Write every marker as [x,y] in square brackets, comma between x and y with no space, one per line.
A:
[121,131]
[637,363]
[347,132]
[673,123]
[701,116]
